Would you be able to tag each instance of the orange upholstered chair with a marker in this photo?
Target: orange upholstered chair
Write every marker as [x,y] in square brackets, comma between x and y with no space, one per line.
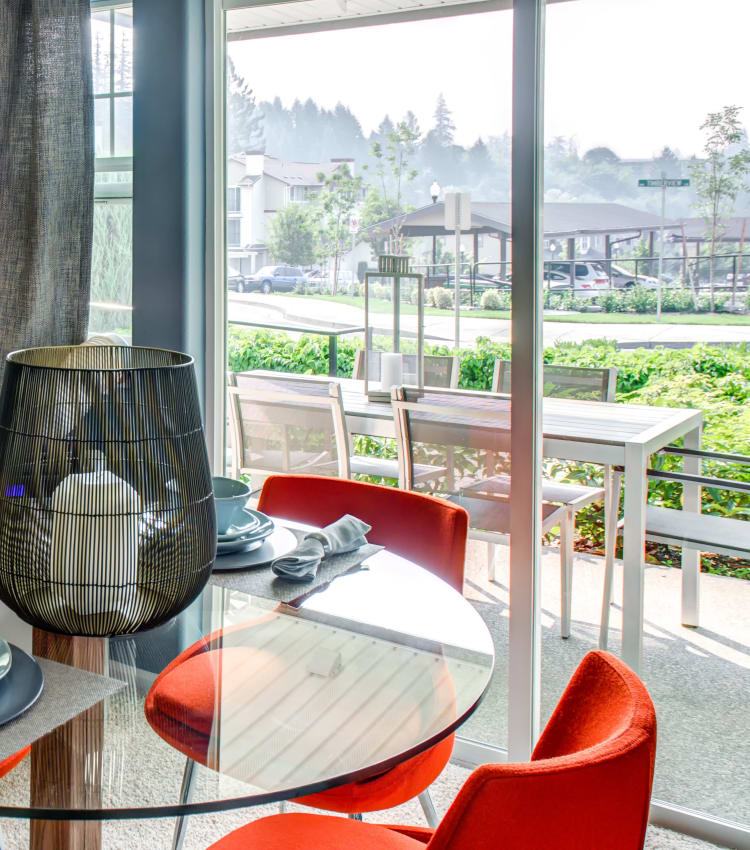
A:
[6,765]
[426,530]
[429,531]
[587,786]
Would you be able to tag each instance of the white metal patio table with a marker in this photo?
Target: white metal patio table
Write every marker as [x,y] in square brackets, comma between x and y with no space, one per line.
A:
[601,433]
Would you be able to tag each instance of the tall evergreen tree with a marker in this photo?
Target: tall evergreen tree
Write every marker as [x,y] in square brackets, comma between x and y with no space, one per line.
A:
[444,126]
[244,119]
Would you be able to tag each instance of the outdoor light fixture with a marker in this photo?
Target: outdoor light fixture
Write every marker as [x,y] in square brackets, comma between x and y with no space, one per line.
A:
[435,191]
[394,354]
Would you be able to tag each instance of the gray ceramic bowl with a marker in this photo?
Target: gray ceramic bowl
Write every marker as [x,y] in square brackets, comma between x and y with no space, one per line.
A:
[230,496]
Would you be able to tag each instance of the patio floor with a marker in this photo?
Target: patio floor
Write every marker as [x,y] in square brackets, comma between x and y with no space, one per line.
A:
[699,678]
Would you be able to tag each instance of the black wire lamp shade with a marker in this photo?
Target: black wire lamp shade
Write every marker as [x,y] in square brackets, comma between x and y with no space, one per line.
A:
[107,519]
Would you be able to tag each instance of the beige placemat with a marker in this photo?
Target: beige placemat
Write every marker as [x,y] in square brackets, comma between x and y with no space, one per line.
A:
[67,692]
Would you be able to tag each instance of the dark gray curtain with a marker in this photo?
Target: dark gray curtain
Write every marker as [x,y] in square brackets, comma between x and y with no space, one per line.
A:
[46,172]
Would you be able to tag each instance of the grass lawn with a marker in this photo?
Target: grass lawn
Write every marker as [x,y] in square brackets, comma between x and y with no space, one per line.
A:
[576,318]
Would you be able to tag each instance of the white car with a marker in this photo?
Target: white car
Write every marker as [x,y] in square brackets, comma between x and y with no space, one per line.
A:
[591,279]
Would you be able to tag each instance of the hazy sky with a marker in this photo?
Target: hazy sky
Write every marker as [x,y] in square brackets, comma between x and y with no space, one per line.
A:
[634,75]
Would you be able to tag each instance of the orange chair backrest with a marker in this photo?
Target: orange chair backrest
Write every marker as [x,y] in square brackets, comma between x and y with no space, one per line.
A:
[588,784]
[429,531]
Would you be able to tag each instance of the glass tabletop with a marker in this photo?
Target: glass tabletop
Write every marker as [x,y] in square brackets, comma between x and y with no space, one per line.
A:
[279,701]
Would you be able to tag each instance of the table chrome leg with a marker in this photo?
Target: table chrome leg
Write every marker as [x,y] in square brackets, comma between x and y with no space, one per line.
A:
[425,801]
[186,790]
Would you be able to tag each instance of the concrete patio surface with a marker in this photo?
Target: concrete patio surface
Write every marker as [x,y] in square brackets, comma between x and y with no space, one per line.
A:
[699,678]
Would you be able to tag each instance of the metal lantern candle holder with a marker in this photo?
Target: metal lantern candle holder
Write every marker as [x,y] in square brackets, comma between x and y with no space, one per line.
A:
[107,519]
[394,355]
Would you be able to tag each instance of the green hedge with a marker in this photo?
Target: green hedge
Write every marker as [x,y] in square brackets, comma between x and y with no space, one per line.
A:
[713,379]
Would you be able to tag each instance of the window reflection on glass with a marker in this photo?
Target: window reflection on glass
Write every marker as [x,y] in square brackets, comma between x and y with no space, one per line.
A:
[100,50]
[102,137]
[123,126]
[111,267]
[123,50]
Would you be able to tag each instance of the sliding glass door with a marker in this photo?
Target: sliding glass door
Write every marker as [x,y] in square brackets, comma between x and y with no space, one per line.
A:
[376,115]
[639,93]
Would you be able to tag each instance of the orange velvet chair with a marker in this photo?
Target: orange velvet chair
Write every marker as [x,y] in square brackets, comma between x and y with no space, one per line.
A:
[429,531]
[6,765]
[587,786]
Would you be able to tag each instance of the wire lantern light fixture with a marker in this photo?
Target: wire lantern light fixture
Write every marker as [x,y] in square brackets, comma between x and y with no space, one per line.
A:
[107,518]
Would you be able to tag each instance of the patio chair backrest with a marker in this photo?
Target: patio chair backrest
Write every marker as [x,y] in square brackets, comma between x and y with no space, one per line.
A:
[287,423]
[576,382]
[465,432]
[440,370]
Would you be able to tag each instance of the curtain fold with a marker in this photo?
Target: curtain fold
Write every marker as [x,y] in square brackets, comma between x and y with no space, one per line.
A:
[46,172]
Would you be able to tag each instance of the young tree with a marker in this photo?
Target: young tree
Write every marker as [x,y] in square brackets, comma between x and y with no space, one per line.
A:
[293,236]
[340,193]
[720,177]
[393,174]
[244,119]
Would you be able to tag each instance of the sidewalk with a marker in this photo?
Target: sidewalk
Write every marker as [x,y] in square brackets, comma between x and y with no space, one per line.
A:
[255,307]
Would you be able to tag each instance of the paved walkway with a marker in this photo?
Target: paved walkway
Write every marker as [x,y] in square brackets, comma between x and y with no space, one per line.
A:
[255,307]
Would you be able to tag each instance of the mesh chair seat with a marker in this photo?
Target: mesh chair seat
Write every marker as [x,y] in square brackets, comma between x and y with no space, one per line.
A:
[493,515]
[557,492]
[387,468]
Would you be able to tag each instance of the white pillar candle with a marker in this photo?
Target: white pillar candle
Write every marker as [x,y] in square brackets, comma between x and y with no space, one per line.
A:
[94,558]
[391,370]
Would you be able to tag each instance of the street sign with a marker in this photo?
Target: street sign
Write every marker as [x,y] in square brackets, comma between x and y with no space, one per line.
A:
[354,224]
[458,211]
[665,182]
[662,183]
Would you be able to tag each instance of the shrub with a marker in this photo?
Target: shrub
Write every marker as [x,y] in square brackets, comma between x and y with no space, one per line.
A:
[442,298]
[491,300]
[676,300]
[300,288]
[612,302]
[642,300]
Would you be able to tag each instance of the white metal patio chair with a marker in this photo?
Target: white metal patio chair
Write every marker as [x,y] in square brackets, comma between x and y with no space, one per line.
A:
[293,423]
[444,425]
[582,383]
[685,529]
[278,425]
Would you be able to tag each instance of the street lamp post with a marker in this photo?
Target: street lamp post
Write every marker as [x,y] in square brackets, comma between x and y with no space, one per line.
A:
[434,194]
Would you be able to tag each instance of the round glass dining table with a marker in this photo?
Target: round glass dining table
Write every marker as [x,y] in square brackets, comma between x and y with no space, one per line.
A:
[339,685]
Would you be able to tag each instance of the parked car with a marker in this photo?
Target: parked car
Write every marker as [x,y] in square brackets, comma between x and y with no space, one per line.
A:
[591,279]
[275,279]
[236,281]
[316,278]
[623,279]
[481,281]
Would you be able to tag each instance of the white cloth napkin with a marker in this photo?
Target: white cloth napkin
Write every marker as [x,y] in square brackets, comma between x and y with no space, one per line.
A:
[301,564]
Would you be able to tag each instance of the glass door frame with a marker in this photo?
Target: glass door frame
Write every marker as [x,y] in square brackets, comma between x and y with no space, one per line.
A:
[526,329]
